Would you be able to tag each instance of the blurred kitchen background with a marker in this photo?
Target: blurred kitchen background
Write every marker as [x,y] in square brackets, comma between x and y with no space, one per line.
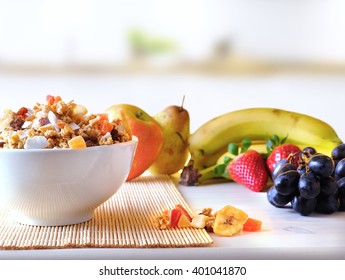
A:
[220,54]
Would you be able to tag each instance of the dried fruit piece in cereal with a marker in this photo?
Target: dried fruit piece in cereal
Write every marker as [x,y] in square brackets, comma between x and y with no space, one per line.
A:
[36,142]
[77,142]
[51,100]
[104,125]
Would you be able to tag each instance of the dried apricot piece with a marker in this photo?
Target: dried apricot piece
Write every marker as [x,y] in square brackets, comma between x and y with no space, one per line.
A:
[252,225]
[77,142]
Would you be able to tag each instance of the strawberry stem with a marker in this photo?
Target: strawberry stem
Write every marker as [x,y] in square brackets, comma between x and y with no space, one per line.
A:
[273,142]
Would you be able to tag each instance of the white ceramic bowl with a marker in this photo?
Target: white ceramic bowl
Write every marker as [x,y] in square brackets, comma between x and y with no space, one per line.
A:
[52,187]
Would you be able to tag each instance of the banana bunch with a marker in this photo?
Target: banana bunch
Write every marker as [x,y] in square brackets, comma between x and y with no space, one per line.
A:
[209,143]
[211,140]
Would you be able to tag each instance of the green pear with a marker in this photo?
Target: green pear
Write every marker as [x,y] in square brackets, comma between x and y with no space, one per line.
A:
[175,123]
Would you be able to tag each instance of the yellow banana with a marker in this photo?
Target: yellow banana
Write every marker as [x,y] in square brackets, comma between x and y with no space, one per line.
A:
[261,148]
[211,140]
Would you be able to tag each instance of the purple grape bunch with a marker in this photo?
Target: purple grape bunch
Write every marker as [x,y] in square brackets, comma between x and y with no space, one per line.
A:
[317,185]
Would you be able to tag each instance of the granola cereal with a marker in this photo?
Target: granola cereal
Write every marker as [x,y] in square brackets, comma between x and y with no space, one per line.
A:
[162,222]
[55,123]
[211,218]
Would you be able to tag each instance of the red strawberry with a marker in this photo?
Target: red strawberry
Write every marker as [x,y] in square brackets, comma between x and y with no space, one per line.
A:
[249,169]
[280,152]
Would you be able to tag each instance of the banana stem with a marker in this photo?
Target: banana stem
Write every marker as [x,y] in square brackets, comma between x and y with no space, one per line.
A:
[208,173]
[191,176]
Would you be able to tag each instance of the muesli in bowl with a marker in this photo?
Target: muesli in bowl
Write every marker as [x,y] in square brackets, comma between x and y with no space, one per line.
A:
[58,163]
[56,124]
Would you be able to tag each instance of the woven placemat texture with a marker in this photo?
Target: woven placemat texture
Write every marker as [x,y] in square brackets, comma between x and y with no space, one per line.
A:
[124,221]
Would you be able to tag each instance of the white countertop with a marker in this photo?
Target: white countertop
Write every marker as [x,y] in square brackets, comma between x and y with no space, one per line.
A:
[285,234]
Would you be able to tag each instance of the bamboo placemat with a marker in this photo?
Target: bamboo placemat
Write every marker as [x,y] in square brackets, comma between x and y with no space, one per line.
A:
[124,221]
